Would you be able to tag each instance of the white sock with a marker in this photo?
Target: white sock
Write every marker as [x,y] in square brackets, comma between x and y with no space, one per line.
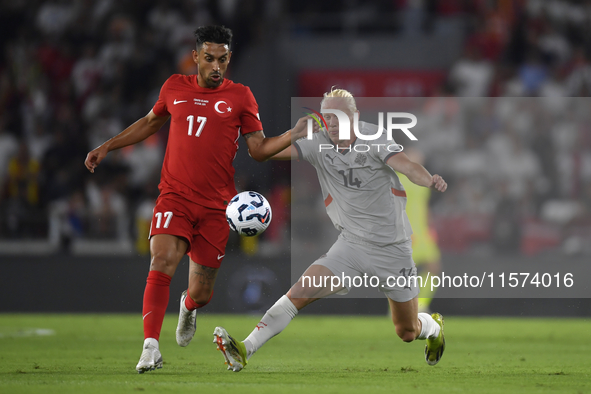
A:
[429,327]
[274,321]
[151,342]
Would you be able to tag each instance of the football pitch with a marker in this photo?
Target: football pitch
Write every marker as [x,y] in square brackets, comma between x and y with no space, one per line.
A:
[48,353]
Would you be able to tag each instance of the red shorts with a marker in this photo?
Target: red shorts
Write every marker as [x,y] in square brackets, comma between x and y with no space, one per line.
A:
[205,230]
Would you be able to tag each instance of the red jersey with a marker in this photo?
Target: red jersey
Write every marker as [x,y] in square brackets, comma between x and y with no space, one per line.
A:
[205,125]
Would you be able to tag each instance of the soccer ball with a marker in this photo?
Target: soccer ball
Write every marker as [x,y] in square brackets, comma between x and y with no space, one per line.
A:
[248,213]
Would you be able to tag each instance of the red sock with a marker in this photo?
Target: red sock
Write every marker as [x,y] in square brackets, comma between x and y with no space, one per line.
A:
[192,305]
[156,298]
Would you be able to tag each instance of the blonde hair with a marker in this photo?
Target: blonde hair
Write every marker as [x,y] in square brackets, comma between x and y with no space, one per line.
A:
[341,93]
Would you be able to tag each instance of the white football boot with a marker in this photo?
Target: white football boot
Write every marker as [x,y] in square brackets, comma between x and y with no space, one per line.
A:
[233,351]
[151,357]
[185,330]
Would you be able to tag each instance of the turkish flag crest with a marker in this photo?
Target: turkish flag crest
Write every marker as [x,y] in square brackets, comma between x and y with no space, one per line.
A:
[223,107]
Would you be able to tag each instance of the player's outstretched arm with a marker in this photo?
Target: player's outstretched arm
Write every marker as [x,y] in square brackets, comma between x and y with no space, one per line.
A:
[262,148]
[416,173]
[135,133]
[288,153]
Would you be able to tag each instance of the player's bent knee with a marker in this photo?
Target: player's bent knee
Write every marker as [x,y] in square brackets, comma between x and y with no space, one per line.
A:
[406,334]
[161,264]
[163,260]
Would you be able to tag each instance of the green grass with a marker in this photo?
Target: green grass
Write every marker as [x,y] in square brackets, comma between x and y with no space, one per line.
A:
[98,354]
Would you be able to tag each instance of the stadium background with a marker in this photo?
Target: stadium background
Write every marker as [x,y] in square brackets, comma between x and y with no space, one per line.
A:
[73,74]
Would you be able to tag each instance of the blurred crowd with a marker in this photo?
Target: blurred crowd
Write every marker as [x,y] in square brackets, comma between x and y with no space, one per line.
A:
[519,170]
[521,167]
[75,73]
[72,75]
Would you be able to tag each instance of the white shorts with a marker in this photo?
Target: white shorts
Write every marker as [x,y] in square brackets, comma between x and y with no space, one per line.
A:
[392,265]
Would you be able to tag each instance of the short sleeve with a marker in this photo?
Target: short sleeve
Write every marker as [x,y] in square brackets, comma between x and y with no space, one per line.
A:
[249,118]
[160,108]
[308,149]
[385,148]
[391,148]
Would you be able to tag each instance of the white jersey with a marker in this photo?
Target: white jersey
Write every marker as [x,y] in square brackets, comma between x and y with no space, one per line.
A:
[362,194]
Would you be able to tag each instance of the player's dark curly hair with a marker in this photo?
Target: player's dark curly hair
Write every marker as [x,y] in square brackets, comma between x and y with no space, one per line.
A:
[214,34]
